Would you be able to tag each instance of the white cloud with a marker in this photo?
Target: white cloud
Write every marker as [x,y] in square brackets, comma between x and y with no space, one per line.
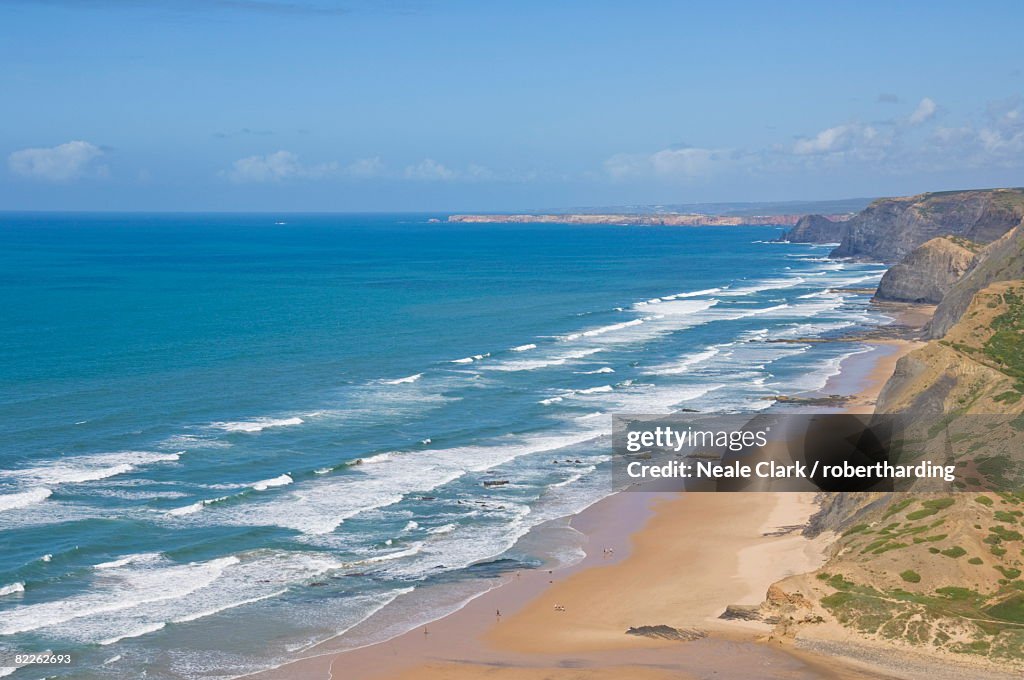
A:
[826,141]
[275,167]
[479,173]
[900,147]
[429,169]
[60,163]
[672,163]
[996,141]
[365,168]
[1003,134]
[924,111]
[850,140]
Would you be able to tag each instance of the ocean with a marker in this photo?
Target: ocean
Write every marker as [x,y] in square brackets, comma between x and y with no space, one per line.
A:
[226,439]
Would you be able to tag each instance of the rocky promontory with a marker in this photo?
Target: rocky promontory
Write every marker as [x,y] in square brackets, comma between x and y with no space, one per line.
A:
[928,272]
[890,228]
[817,229]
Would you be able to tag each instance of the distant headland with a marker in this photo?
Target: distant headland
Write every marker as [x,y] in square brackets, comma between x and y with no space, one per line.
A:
[647,220]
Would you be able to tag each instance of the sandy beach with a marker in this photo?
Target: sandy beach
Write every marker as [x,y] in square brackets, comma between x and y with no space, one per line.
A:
[652,559]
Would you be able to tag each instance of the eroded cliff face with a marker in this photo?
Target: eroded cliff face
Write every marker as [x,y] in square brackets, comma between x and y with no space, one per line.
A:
[890,228]
[1002,260]
[816,229]
[970,367]
[928,272]
[929,569]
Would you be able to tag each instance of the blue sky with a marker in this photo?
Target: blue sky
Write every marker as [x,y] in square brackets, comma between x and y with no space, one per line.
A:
[491,105]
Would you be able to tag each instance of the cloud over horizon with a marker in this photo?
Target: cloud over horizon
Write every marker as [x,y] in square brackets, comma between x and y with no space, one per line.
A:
[276,167]
[61,163]
[915,143]
[924,111]
[676,162]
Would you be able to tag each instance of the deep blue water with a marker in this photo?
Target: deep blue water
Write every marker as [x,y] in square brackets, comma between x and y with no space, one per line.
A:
[224,439]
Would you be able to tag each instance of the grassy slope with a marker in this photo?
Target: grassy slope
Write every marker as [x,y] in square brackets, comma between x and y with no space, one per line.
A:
[937,570]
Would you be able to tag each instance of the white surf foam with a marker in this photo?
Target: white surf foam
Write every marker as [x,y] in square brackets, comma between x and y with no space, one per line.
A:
[257,424]
[141,597]
[765,284]
[318,506]
[665,317]
[695,293]
[12,588]
[523,348]
[133,590]
[405,380]
[11,501]
[196,507]
[558,359]
[139,632]
[87,468]
[137,558]
[193,441]
[280,480]
[685,364]
[602,330]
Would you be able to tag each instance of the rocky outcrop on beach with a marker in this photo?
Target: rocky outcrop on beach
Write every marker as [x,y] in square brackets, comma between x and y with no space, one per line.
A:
[890,228]
[816,229]
[1002,260]
[928,272]
[663,632]
[652,220]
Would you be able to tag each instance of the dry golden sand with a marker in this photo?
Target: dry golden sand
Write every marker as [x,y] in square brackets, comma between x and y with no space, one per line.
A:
[696,554]
[679,560]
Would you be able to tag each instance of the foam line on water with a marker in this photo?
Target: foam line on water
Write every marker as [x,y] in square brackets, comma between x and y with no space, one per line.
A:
[404,381]
[558,359]
[13,501]
[256,424]
[12,588]
[319,505]
[86,468]
[135,597]
[280,480]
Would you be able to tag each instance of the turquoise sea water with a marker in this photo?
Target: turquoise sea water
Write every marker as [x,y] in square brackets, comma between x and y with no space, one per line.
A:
[227,438]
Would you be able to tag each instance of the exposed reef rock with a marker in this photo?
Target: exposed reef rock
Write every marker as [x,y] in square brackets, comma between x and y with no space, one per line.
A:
[663,632]
[816,229]
[929,272]
[890,228]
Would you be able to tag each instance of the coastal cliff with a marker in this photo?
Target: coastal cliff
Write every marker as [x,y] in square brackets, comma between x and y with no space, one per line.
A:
[927,570]
[817,229]
[928,272]
[1001,261]
[977,366]
[890,228]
